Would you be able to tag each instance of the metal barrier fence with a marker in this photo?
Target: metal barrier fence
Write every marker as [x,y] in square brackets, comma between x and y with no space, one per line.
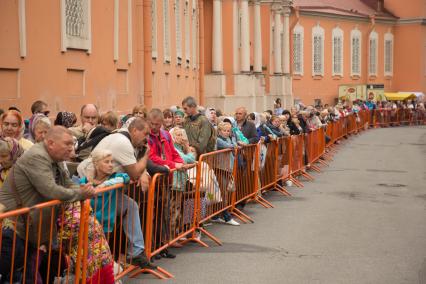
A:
[56,241]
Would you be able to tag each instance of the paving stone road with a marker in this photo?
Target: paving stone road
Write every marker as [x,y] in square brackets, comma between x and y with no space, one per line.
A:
[363,220]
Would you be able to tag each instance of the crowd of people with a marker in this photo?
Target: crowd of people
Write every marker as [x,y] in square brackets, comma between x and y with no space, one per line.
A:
[42,159]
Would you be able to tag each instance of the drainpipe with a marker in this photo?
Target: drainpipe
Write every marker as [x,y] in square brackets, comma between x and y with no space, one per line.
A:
[201,51]
[147,62]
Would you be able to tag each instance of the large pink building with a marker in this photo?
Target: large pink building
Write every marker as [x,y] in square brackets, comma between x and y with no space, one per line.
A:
[118,53]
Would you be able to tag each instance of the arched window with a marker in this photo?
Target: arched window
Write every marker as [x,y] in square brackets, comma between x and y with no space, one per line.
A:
[154,28]
[388,54]
[166,31]
[337,52]
[317,51]
[355,52]
[178,27]
[372,53]
[298,49]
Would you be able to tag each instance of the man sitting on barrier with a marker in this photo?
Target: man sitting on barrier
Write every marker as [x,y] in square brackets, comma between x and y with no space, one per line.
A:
[38,176]
[123,145]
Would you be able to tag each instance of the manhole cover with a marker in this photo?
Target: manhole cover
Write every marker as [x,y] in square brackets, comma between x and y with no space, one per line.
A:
[391,185]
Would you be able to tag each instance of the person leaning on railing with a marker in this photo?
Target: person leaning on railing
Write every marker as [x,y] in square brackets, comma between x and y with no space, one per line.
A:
[38,176]
[224,167]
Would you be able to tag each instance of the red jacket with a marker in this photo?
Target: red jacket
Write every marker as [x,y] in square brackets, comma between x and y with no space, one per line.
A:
[170,155]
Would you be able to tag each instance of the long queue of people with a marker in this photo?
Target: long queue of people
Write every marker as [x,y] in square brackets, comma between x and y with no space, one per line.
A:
[43,161]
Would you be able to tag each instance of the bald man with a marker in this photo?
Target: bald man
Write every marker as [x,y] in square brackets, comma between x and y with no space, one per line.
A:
[248,128]
[38,176]
[89,116]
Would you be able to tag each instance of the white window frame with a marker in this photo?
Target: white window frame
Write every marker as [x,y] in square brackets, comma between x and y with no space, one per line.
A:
[166,31]
[389,38]
[75,42]
[337,55]
[318,32]
[356,34]
[298,30]
[178,29]
[373,53]
[154,26]
[187,33]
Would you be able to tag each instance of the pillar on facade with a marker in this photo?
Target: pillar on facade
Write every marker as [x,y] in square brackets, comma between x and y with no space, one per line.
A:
[236,48]
[277,39]
[286,40]
[217,47]
[257,68]
[245,37]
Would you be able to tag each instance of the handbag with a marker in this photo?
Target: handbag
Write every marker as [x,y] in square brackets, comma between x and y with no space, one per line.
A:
[179,180]
[188,210]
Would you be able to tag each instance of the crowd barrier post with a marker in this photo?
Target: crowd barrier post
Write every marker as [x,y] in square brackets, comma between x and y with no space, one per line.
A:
[282,166]
[268,169]
[215,187]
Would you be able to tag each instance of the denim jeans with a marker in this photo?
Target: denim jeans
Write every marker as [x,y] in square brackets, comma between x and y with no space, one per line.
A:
[131,223]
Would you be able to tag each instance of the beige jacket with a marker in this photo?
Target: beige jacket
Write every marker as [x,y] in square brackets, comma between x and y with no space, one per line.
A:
[34,175]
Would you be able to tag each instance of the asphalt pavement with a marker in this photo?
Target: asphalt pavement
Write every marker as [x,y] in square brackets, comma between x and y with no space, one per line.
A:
[363,220]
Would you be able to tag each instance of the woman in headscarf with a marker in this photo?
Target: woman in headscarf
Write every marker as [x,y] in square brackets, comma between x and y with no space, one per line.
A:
[12,125]
[66,119]
[10,151]
[38,127]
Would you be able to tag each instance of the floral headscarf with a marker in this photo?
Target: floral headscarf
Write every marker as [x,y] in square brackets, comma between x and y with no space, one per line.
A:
[15,151]
[35,119]
[66,119]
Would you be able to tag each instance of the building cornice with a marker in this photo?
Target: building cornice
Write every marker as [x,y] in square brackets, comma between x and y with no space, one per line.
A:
[412,21]
[346,17]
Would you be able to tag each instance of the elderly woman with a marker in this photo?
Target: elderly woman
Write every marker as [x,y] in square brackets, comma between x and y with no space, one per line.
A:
[10,151]
[38,127]
[270,130]
[224,171]
[182,145]
[66,119]
[99,171]
[12,125]
[177,120]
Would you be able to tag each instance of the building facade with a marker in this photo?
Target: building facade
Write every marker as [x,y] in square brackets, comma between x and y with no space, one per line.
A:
[227,53]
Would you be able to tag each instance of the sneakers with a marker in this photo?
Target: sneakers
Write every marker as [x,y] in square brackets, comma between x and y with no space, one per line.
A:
[218,220]
[232,222]
[142,261]
[166,254]
[222,221]
[198,235]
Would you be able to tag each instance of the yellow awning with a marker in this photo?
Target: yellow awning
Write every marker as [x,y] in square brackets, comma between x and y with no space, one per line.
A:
[399,96]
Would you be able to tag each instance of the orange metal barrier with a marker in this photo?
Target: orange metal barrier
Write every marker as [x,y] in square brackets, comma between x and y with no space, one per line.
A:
[171,211]
[283,164]
[247,175]
[41,243]
[297,164]
[269,167]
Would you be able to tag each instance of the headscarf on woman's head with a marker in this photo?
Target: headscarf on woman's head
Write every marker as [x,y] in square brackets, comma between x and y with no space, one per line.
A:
[66,119]
[15,149]
[36,119]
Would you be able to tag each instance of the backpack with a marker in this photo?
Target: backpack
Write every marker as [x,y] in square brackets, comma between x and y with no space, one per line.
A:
[86,145]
